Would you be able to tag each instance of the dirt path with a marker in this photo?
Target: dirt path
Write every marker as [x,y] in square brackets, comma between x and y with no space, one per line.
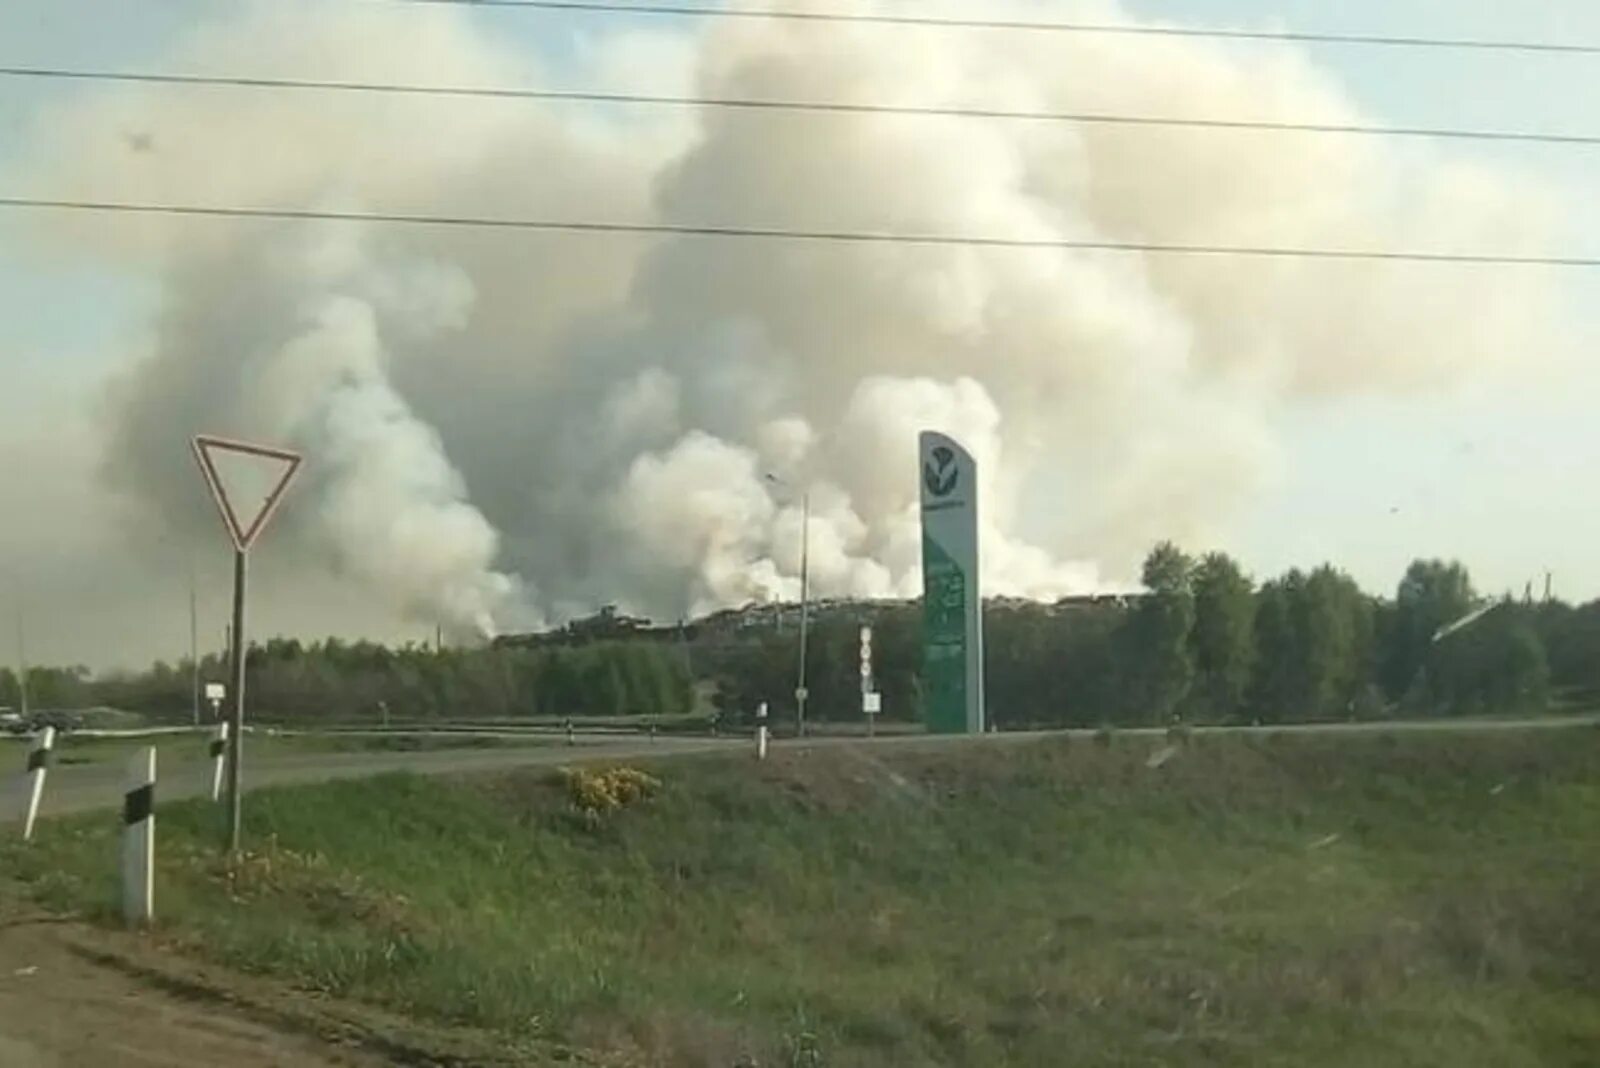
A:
[73,995]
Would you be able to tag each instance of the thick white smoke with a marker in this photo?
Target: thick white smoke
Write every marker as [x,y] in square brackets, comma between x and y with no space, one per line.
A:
[305,360]
[638,420]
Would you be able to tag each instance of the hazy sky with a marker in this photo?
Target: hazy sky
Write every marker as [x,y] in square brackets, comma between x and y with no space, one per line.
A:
[1493,465]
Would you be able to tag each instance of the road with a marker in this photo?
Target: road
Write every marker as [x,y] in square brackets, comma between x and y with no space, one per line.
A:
[81,788]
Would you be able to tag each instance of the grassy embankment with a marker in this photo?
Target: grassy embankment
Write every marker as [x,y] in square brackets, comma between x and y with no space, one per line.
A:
[1289,901]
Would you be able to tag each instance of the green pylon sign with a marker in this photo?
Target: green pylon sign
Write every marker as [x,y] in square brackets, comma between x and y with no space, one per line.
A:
[952,604]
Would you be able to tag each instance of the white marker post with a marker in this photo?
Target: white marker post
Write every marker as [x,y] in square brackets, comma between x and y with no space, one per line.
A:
[139,838]
[219,756]
[870,704]
[39,757]
[761,731]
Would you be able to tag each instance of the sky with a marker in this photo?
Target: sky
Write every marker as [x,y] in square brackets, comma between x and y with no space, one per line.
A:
[1487,463]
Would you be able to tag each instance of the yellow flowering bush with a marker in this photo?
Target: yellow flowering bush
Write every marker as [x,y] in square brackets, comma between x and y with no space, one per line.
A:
[598,791]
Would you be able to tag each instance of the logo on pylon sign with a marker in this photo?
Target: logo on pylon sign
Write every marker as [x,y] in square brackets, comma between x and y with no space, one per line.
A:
[245,520]
[941,473]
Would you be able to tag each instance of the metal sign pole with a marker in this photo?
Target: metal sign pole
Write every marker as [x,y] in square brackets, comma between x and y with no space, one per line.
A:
[243,530]
[236,706]
[194,645]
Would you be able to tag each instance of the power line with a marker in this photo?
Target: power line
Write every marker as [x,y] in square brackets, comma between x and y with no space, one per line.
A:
[783,15]
[802,106]
[854,237]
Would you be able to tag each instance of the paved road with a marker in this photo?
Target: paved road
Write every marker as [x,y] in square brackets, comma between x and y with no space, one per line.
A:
[79,788]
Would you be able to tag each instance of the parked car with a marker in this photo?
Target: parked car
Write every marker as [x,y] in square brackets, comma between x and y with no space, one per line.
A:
[63,720]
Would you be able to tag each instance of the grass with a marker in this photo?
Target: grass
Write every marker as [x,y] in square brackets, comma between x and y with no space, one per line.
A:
[1277,901]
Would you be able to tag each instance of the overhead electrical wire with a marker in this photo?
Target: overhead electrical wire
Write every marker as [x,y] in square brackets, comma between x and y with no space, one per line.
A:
[1039,26]
[801,106]
[854,237]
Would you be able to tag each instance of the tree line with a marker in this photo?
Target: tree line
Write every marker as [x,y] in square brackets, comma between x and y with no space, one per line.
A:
[1203,643]
[333,680]
[1207,644]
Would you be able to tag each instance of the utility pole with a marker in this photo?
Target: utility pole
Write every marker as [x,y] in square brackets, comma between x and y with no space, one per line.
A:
[22,663]
[800,693]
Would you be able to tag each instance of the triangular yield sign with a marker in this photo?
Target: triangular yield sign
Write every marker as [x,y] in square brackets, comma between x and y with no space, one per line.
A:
[247,482]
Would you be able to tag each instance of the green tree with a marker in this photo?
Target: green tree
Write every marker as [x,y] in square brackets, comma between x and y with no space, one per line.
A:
[1276,684]
[1161,667]
[1432,594]
[1223,639]
[1335,624]
[1314,644]
[1571,637]
[1495,664]
[1020,665]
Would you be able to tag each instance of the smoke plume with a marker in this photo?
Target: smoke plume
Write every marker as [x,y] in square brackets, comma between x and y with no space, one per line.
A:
[505,427]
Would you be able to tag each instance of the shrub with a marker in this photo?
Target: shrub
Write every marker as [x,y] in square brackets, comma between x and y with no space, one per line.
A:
[599,791]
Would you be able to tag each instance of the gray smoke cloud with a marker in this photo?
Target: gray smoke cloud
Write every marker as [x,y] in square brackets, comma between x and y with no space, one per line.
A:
[512,427]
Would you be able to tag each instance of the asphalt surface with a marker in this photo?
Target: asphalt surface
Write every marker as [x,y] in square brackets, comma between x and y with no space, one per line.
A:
[80,788]
[85,787]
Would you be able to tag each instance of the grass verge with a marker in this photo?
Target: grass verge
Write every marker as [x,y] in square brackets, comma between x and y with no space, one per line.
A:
[1277,901]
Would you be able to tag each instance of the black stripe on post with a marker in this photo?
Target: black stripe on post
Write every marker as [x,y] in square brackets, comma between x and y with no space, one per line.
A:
[218,747]
[137,805]
[40,758]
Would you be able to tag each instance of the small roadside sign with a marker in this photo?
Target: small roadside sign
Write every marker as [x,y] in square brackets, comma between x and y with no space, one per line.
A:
[216,692]
[872,703]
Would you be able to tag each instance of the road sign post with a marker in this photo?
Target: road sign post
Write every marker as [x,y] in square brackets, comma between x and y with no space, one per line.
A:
[216,693]
[236,707]
[243,534]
